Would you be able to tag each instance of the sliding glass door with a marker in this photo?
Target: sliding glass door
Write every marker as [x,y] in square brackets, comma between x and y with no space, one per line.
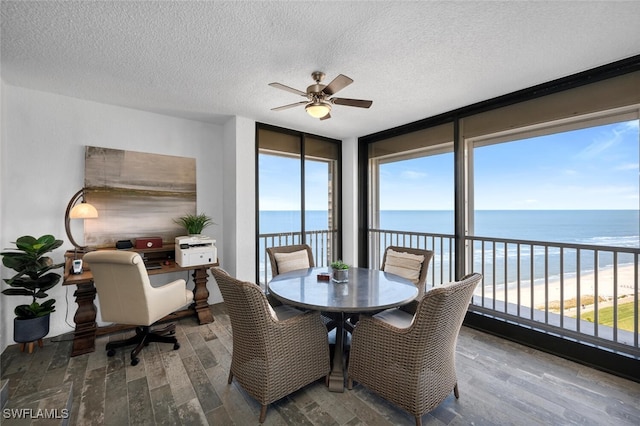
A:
[298,194]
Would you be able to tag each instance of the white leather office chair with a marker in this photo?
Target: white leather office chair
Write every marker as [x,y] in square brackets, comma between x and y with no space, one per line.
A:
[127,297]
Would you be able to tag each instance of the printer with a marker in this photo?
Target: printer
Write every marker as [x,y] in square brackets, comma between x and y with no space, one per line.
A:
[195,250]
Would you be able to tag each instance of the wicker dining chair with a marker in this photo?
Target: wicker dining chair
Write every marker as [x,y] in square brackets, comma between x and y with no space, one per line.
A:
[410,360]
[290,258]
[276,351]
[417,276]
[405,261]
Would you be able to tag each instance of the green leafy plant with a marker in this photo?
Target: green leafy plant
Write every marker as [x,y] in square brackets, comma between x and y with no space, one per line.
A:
[194,223]
[33,275]
[339,264]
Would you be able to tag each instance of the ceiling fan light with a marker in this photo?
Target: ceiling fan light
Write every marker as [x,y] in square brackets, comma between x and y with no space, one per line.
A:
[318,109]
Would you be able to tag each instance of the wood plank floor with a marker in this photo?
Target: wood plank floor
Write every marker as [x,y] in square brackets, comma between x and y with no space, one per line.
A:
[500,383]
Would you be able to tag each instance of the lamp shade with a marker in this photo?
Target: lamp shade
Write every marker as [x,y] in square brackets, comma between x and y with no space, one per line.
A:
[83,211]
[318,109]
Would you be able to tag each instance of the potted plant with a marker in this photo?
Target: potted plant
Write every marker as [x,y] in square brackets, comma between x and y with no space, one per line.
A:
[33,277]
[339,271]
[194,223]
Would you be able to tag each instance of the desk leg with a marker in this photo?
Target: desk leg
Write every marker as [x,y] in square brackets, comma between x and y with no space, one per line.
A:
[336,377]
[201,296]
[84,336]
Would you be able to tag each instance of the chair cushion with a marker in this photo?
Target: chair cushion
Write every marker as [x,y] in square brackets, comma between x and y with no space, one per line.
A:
[292,261]
[284,312]
[395,317]
[407,265]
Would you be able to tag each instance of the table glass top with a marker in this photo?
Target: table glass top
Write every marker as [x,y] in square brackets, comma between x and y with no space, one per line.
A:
[366,290]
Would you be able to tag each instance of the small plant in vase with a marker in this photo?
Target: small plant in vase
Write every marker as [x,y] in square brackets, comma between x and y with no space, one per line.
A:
[339,271]
[194,223]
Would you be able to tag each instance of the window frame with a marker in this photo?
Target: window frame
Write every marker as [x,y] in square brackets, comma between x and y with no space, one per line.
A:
[335,178]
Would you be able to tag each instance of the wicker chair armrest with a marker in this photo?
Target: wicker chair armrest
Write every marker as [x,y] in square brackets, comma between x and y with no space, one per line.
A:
[286,337]
[372,324]
[392,341]
[305,318]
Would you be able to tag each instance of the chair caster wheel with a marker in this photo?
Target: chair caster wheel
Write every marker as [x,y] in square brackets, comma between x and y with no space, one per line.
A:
[135,361]
[111,352]
[176,346]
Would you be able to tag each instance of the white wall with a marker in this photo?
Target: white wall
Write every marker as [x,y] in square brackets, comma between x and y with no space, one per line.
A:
[42,166]
[350,201]
[239,199]
[42,140]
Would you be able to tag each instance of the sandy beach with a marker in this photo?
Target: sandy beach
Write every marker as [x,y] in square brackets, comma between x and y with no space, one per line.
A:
[567,289]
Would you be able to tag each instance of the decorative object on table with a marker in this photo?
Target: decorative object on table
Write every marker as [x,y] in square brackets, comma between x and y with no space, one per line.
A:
[124,244]
[424,345]
[83,210]
[194,223]
[33,278]
[148,242]
[339,271]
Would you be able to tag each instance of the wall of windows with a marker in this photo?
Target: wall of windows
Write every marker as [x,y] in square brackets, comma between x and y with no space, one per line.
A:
[544,190]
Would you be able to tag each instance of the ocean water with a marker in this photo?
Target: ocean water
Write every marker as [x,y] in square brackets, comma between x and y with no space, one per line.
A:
[616,228]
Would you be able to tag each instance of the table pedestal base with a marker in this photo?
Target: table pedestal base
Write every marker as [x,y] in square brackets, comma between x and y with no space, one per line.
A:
[336,377]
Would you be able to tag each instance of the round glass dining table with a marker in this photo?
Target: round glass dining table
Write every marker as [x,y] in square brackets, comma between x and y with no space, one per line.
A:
[367,290]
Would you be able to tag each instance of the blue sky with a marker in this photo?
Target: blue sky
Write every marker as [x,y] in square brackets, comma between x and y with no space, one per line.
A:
[280,184]
[593,168]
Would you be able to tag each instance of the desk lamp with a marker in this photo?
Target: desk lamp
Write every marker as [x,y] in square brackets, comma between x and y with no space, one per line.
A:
[83,210]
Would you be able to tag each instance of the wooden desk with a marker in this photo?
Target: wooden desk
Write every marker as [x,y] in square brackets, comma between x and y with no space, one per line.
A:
[367,290]
[87,329]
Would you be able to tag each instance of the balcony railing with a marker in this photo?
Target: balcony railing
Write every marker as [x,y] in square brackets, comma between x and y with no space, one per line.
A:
[585,292]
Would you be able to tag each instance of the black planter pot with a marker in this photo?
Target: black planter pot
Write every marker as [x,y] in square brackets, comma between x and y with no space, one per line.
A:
[30,330]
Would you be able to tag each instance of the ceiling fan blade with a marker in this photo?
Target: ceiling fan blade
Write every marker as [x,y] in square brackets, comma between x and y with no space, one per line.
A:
[288,89]
[338,83]
[326,117]
[280,108]
[360,103]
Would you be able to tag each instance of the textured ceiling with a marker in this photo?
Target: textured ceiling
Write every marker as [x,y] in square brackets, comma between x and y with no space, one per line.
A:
[212,60]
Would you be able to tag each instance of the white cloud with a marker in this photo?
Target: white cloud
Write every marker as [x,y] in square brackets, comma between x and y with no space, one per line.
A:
[627,166]
[413,175]
[609,139]
[570,172]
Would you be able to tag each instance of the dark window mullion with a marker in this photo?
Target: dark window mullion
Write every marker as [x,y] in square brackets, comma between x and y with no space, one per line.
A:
[302,187]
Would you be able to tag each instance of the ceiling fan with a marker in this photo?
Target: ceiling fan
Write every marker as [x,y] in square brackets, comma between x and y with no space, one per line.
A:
[319,102]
